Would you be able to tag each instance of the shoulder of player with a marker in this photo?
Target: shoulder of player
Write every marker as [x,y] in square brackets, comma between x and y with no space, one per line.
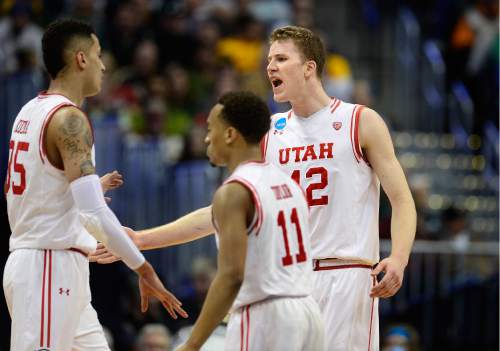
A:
[69,120]
[230,197]
[371,125]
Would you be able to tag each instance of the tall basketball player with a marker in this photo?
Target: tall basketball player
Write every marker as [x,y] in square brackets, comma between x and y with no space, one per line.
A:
[55,202]
[339,153]
[261,217]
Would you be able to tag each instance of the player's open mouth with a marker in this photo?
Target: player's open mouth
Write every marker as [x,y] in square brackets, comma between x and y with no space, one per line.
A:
[276,82]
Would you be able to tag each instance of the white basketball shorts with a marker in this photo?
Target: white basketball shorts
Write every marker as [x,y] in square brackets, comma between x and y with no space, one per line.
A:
[342,292]
[48,297]
[279,324]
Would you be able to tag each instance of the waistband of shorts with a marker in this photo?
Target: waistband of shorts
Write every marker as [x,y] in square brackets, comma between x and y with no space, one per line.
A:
[79,251]
[326,264]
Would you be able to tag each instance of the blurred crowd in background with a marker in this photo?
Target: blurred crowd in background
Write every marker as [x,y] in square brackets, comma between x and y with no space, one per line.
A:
[167,62]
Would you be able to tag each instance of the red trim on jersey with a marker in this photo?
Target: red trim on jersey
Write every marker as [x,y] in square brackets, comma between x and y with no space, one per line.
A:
[47,118]
[359,151]
[343,266]
[257,203]
[248,324]
[43,298]
[49,309]
[263,146]
[43,95]
[336,105]
[242,331]
[371,318]
[351,132]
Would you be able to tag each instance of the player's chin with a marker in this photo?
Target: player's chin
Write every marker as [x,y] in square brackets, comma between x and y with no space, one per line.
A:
[279,97]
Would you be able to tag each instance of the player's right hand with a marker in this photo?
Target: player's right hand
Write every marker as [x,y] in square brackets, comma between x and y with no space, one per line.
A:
[103,256]
[151,286]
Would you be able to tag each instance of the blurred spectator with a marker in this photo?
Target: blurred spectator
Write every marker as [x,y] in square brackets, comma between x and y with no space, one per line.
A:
[454,227]
[245,50]
[202,273]
[338,81]
[153,337]
[401,337]
[419,185]
[128,28]
[21,47]
[474,59]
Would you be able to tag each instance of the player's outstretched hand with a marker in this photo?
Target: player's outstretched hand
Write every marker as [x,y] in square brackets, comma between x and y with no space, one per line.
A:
[393,278]
[151,286]
[103,256]
[111,181]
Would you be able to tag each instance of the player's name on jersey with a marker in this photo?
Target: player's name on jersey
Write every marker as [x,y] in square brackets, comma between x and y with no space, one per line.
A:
[306,153]
[22,127]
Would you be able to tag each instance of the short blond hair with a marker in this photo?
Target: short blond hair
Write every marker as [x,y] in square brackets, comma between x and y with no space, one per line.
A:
[309,44]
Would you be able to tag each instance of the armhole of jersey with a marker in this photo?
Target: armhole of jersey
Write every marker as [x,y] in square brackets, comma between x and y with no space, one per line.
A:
[263,146]
[43,131]
[256,223]
[356,146]
[214,223]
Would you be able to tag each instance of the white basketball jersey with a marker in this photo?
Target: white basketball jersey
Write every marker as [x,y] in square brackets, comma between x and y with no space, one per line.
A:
[278,261]
[42,213]
[322,153]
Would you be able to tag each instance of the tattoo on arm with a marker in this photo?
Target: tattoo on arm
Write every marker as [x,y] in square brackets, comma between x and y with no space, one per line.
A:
[87,168]
[77,141]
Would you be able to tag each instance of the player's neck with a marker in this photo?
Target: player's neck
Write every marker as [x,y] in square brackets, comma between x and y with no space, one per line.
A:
[66,86]
[311,101]
[252,153]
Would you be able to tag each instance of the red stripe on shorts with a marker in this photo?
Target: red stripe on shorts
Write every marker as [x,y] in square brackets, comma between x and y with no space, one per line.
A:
[43,297]
[242,332]
[371,319]
[50,298]
[248,324]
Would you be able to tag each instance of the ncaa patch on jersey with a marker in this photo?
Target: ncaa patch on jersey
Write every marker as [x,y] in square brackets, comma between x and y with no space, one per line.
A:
[337,125]
[280,123]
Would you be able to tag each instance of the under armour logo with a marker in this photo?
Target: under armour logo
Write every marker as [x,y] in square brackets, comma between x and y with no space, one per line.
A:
[63,291]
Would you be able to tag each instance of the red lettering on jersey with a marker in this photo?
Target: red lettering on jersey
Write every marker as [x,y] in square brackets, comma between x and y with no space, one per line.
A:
[306,153]
[284,160]
[309,153]
[297,150]
[22,127]
[326,148]
[281,191]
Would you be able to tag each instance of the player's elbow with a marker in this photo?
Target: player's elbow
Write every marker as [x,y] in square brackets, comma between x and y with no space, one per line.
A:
[234,275]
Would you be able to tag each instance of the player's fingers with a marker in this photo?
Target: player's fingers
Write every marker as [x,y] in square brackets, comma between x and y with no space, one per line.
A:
[173,299]
[379,268]
[108,260]
[144,302]
[180,311]
[169,309]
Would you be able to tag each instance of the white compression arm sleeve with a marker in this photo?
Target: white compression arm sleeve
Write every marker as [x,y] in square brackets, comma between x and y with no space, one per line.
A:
[101,222]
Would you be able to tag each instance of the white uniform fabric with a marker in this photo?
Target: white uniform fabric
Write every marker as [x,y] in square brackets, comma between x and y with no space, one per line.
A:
[45,224]
[50,307]
[355,327]
[281,324]
[322,153]
[278,275]
[42,213]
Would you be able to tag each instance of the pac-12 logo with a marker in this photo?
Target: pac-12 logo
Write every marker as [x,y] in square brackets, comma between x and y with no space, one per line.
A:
[280,125]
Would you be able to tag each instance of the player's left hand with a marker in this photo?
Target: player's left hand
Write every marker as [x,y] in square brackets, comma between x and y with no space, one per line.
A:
[393,268]
[111,181]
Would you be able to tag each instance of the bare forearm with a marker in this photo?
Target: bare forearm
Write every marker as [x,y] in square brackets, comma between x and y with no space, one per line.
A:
[219,300]
[403,227]
[190,227]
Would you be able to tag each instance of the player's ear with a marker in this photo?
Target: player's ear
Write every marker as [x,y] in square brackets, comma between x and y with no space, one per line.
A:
[310,68]
[230,135]
[81,59]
